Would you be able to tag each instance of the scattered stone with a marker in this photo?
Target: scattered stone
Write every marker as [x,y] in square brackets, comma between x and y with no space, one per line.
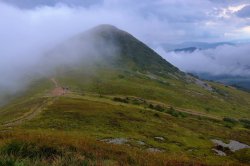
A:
[155,150]
[141,143]
[233,145]
[117,141]
[203,84]
[220,153]
[160,138]
[191,149]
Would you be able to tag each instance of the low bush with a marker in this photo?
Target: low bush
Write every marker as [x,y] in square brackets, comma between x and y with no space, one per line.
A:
[118,99]
[230,120]
[157,107]
[29,150]
[245,123]
[175,113]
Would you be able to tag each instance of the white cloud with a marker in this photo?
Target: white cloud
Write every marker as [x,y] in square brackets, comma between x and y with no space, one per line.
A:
[228,60]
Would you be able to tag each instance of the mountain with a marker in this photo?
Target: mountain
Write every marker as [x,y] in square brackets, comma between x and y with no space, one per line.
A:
[188,49]
[197,45]
[131,53]
[108,99]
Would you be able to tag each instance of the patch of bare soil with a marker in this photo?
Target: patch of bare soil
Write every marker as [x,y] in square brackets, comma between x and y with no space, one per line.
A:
[58,90]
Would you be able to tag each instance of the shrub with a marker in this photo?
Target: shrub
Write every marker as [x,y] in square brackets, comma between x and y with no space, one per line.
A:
[29,150]
[118,99]
[229,125]
[159,108]
[151,106]
[173,112]
[245,123]
[230,120]
[9,162]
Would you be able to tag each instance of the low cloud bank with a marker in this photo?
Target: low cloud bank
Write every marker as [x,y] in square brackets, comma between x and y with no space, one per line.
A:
[223,60]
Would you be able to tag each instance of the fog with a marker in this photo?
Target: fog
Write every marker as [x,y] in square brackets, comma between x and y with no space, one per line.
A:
[32,48]
[30,29]
[223,60]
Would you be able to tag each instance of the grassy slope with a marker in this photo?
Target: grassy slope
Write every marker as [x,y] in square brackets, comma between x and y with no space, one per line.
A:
[86,115]
[224,102]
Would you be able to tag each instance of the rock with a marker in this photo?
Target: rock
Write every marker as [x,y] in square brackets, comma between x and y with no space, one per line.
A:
[202,84]
[141,143]
[220,153]
[117,141]
[154,150]
[160,138]
[232,146]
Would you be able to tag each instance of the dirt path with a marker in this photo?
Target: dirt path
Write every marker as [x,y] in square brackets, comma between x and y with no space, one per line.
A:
[57,91]
[55,82]
[29,115]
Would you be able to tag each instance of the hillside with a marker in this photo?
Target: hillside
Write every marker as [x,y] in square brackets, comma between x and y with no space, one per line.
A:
[123,105]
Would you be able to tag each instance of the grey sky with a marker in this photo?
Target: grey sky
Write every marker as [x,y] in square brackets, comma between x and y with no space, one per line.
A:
[154,21]
[29,4]
[244,12]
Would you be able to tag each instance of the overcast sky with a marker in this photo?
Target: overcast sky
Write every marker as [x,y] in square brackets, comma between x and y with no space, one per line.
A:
[28,27]
[153,21]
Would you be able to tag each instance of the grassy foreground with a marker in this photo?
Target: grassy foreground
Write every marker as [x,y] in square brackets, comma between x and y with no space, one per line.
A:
[71,129]
[161,121]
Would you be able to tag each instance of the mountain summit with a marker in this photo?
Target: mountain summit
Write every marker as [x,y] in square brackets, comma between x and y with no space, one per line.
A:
[131,53]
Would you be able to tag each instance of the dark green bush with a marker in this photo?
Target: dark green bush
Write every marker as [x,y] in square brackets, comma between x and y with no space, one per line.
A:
[245,123]
[9,162]
[29,150]
[230,120]
[159,108]
[118,99]
[175,113]
[151,106]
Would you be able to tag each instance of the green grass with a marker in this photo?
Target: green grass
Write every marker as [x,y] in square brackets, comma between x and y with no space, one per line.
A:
[183,135]
[184,114]
[177,93]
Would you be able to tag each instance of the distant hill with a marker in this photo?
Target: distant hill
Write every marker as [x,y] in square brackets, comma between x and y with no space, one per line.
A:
[189,46]
[188,49]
